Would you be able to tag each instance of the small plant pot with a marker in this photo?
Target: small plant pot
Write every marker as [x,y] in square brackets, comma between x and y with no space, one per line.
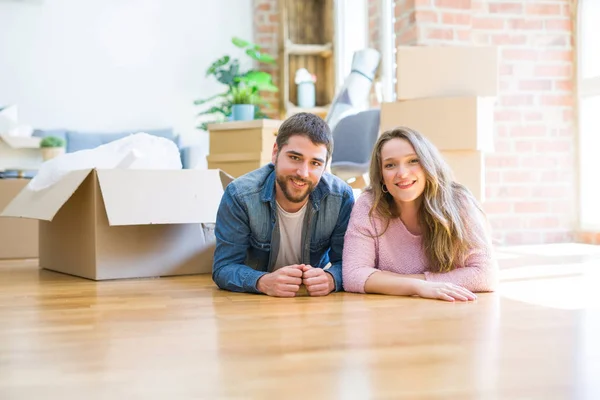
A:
[49,153]
[242,112]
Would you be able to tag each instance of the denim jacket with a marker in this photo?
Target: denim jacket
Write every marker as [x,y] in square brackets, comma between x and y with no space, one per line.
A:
[247,230]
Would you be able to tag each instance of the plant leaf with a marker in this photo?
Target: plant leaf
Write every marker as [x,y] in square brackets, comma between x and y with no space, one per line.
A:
[269,87]
[203,101]
[259,79]
[217,64]
[215,110]
[260,57]
[241,43]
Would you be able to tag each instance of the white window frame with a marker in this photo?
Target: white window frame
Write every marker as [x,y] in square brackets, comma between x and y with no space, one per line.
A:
[387,38]
[350,37]
[351,34]
[589,219]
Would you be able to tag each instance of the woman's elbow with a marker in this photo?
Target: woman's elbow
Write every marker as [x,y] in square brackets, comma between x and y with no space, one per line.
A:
[491,283]
[487,281]
[351,283]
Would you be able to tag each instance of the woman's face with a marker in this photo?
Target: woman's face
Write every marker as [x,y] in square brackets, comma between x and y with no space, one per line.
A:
[402,172]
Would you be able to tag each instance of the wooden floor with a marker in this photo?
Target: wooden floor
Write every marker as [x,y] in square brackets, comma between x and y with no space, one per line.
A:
[63,337]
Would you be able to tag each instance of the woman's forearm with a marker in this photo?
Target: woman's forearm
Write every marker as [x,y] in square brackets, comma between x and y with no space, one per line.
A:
[473,278]
[385,282]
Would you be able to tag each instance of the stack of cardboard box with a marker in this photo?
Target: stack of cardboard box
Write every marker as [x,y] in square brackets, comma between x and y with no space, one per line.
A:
[239,147]
[448,94]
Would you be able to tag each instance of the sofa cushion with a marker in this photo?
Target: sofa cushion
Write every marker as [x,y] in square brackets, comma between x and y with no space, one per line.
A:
[59,133]
[88,140]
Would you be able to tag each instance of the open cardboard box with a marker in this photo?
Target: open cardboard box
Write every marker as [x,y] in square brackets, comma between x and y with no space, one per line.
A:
[18,236]
[120,223]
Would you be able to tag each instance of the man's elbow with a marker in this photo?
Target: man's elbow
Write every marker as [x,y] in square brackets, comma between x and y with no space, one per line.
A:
[217,277]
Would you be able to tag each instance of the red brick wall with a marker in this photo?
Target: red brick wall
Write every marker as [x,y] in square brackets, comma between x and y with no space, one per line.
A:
[405,25]
[374,24]
[530,177]
[266,34]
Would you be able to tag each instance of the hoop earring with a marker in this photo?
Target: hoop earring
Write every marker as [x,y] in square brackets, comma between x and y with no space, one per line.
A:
[384,188]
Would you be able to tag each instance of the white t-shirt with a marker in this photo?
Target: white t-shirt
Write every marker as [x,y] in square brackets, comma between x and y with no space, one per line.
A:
[290,234]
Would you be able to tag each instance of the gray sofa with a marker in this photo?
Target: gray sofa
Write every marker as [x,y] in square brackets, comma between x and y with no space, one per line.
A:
[79,140]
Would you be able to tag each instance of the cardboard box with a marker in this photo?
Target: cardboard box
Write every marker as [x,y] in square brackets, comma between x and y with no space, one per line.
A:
[239,147]
[439,71]
[120,223]
[18,237]
[469,169]
[237,165]
[450,123]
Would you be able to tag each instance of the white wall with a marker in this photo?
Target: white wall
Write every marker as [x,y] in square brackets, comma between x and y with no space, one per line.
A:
[115,64]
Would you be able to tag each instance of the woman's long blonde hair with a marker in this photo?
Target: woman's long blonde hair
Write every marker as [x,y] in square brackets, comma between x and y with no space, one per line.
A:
[446,238]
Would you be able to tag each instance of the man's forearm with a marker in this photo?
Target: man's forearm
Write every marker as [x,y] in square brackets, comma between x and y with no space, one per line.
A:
[336,271]
[237,278]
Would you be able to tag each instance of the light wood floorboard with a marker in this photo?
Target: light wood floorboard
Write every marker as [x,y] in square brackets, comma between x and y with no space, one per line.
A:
[538,337]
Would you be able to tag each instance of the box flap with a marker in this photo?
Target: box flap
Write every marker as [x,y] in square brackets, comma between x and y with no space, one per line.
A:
[142,197]
[44,204]
[22,142]
[226,179]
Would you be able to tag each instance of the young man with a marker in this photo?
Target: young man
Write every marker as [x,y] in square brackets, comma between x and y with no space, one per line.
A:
[281,225]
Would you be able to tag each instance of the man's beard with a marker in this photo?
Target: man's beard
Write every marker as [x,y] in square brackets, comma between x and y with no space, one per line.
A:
[288,192]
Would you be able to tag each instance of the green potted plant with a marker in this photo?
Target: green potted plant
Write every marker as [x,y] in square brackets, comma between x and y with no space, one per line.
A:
[52,146]
[243,102]
[227,71]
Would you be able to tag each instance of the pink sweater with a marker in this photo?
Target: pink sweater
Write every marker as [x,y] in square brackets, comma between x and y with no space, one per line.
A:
[402,252]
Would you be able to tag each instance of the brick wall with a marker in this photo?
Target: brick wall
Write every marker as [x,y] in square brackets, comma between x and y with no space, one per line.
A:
[374,24]
[405,25]
[530,177]
[266,34]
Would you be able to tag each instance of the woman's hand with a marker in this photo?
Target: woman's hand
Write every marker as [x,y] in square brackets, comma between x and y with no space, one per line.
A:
[444,291]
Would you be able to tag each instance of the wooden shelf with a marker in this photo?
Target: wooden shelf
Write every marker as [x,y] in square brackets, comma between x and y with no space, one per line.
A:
[306,40]
[319,110]
[323,50]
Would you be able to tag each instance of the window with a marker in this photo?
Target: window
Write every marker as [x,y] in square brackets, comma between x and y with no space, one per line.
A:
[352,32]
[351,35]
[589,112]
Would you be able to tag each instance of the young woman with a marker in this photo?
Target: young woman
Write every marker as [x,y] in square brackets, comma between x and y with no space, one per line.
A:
[415,231]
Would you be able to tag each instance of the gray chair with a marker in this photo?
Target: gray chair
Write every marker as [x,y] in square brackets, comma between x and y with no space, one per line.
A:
[353,140]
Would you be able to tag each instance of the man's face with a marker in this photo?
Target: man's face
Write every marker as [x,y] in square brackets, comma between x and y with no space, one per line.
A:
[299,166]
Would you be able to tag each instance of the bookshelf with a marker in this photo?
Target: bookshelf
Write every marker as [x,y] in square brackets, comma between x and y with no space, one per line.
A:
[306,40]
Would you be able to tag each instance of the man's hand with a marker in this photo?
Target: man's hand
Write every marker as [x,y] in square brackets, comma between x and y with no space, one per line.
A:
[283,282]
[317,281]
